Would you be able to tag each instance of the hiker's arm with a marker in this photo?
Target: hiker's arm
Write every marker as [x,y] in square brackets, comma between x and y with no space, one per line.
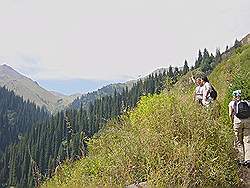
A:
[208,92]
[194,96]
[231,113]
[208,88]
[192,78]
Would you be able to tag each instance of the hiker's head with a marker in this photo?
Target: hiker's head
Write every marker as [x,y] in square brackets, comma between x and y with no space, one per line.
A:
[237,94]
[198,81]
[204,79]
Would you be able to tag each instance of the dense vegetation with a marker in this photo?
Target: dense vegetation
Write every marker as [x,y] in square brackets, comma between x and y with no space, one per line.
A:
[16,117]
[167,139]
[65,134]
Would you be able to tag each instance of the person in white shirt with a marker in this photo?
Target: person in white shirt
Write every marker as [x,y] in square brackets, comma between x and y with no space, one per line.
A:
[207,88]
[241,129]
[198,94]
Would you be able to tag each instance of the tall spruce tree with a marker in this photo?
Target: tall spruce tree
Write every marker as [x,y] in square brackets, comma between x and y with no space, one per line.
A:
[185,67]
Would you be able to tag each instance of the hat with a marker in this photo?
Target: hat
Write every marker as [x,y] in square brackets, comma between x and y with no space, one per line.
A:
[237,93]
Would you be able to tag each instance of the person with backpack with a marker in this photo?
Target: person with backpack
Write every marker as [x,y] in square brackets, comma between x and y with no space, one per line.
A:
[209,93]
[198,94]
[239,112]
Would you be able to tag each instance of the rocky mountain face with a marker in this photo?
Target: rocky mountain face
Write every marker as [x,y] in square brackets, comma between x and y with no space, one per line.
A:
[31,90]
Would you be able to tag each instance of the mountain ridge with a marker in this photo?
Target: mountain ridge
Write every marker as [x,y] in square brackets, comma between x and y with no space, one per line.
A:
[55,101]
[29,89]
[110,89]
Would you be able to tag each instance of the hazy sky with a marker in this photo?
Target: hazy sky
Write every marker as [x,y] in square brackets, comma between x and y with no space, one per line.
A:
[114,39]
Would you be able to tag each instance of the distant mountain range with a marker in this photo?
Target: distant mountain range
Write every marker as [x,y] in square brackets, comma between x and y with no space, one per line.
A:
[110,89]
[53,100]
[76,85]
[31,90]
[85,99]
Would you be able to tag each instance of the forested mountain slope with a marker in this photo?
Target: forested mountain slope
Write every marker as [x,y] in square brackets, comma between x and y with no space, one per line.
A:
[16,117]
[64,136]
[168,140]
[110,89]
[29,89]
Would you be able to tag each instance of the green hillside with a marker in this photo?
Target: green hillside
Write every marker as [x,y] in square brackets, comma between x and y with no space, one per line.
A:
[168,140]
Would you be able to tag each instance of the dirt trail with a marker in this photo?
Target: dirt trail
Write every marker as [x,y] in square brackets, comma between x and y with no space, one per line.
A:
[245,175]
[139,185]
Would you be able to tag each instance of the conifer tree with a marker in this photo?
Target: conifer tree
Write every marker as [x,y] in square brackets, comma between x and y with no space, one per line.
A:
[217,56]
[199,60]
[170,72]
[237,44]
[185,67]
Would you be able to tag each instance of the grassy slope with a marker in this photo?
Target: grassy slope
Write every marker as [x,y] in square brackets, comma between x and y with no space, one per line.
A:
[167,140]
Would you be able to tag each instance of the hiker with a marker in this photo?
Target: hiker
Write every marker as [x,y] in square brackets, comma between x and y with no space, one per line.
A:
[239,112]
[209,93]
[198,94]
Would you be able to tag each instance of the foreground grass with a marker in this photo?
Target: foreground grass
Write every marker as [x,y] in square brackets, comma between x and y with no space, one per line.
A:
[168,140]
[164,142]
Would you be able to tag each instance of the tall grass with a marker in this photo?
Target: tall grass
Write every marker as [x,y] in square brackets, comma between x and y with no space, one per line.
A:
[167,141]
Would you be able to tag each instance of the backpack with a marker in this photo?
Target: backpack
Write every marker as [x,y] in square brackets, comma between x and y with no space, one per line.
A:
[243,110]
[213,93]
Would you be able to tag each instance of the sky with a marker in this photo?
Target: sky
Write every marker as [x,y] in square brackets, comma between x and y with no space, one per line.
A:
[75,86]
[112,40]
